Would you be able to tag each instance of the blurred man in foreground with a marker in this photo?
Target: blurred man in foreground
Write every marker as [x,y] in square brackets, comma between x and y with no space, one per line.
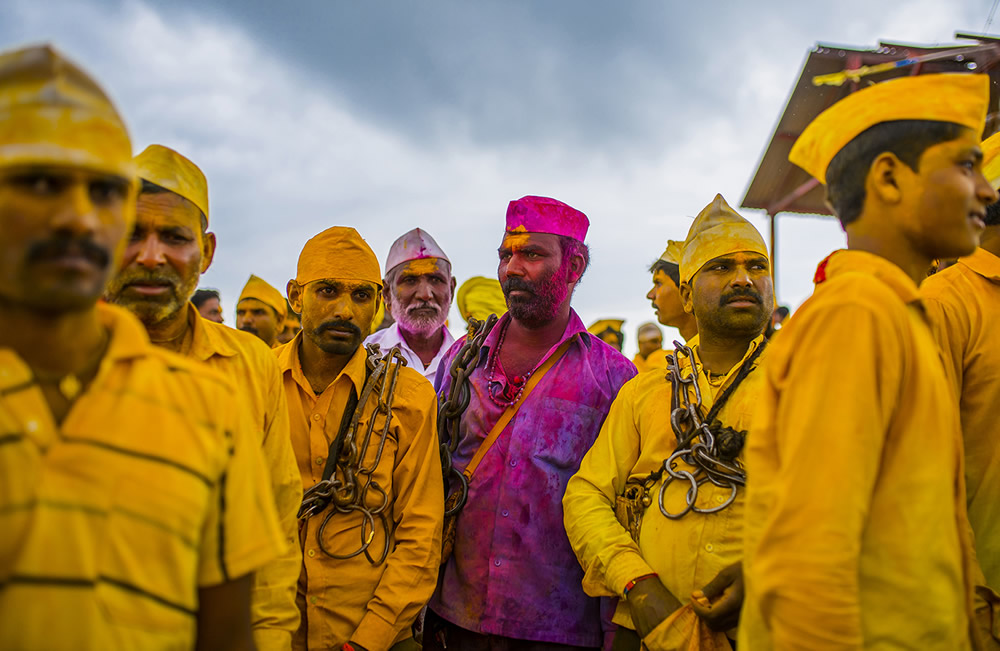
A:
[118,458]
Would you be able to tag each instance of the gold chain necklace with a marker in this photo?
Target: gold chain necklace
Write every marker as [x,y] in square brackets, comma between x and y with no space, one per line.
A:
[71,385]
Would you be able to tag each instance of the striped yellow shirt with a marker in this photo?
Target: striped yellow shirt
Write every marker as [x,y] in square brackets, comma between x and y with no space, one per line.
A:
[152,487]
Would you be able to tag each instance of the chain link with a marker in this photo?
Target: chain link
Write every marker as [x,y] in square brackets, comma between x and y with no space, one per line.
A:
[352,487]
[452,406]
[709,448]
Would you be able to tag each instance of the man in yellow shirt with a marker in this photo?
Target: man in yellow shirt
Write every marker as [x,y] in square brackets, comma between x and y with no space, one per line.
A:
[365,437]
[261,311]
[856,528]
[665,293]
[680,549]
[650,342]
[170,247]
[963,304]
[120,463]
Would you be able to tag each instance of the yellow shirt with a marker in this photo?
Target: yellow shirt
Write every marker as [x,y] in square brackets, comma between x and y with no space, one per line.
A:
[656,359]
[963,304]
[341,600]
[150,489]
[635,440]
[856,531]
[247,361]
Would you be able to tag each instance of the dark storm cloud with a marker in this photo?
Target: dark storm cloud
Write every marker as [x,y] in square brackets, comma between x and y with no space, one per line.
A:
[559,72]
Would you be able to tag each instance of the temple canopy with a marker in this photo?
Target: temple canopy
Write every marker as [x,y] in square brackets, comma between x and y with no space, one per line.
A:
[830,73]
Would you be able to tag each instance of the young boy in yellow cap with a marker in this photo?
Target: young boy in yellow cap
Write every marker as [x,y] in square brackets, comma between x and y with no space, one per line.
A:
[261,311]
[665,293]
[134,505]
[169,248]
[963,304]
[856,528]
[659,557]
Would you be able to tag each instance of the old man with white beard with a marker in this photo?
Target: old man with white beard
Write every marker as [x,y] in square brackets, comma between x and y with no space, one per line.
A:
[417,289]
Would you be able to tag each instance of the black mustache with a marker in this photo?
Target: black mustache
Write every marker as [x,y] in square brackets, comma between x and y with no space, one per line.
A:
[249,329]
[338,325]
[62,246]
[517,284]
[747,293]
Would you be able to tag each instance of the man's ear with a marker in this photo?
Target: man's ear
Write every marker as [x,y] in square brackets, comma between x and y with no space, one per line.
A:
[386,296]
[885,176]
[577,265]
[454,284]
[294,291]
[207,251]
[687,299]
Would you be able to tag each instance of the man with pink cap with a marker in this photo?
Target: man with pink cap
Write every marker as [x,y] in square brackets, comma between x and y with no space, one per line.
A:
[417,288]
[539,392]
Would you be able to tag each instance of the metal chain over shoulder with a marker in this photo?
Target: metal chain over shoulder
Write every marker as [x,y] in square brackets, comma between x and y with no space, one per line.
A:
[348,484]
[452,406]
[702,442]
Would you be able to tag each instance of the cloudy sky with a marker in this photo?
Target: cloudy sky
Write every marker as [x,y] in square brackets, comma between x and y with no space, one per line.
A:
[387,115]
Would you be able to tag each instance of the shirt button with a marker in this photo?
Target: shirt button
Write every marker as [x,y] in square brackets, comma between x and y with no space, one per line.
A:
[316,416]
[513,463]
[311,554]
[31,426]
[313,600]
[319,461]
[504,513]
[497,562]
[709,547]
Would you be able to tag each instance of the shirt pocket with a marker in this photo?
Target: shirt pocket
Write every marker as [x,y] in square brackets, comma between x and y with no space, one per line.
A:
[560,431]
[148,568]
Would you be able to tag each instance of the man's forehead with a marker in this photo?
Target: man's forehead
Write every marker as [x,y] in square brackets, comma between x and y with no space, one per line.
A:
[424,266]
[738,256]
[521,240]
[342,283]
[166,210]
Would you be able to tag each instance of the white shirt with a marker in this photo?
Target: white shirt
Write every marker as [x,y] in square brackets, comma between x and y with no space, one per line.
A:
[390,338]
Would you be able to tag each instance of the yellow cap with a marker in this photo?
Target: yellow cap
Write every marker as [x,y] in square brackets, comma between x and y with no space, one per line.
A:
[717,230]
[168,169]
[338,252]
[599,326]
[479,297]
[950,97]
[991,159]
[52,112]
[258,288]
[674,252]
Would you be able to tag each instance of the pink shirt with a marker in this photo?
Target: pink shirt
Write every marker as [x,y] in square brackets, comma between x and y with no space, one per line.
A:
[513,572]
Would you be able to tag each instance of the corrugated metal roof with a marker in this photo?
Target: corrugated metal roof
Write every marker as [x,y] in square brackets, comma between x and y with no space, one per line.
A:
[777,185]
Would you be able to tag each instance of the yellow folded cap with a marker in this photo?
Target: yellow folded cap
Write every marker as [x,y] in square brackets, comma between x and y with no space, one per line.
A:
[991,159]
[717,230]
[479,297]
[338,252]
[258,288]
[674,252]
[601,325]
[52,112]
[168,169]
[950,97]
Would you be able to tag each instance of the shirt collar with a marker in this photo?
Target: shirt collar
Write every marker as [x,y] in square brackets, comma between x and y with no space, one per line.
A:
[573,329]
[289,362]
[128,340]
[848,260]
[392,337]
[983,263]
[206,341]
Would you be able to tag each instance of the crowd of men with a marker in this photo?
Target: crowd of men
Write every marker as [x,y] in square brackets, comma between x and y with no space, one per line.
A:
[308,481]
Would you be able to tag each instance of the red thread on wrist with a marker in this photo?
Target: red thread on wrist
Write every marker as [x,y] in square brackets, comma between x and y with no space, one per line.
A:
[631,584]
[347,647]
